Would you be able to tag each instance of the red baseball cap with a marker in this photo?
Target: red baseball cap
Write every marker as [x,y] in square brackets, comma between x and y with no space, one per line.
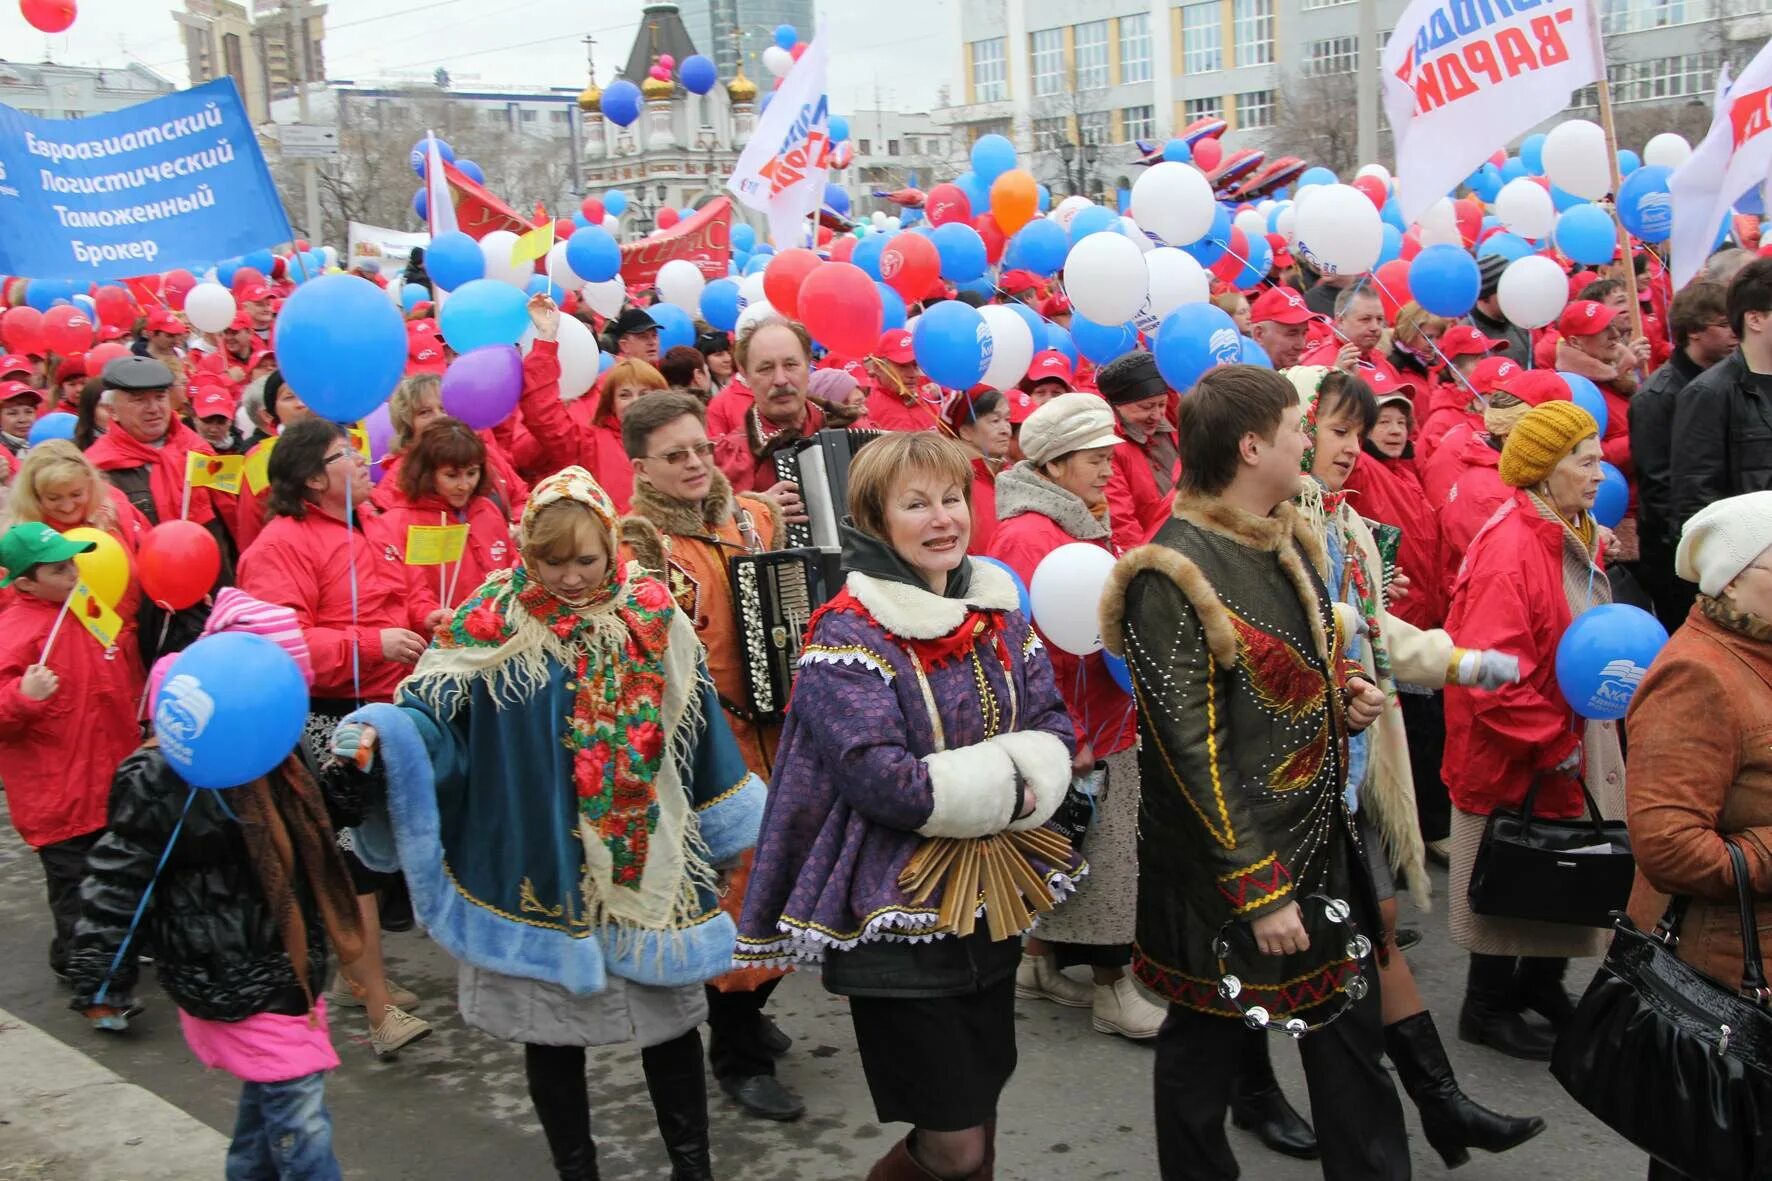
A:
[1585,317]
[161,320]
[1535,387]
[1018,280]
[240,323]
[1056,304]
[110,332]
[1494,373]
[1461,340]
[1280,304]
[895,346]
[70,368]
[15,363]
[1282,250]
[1048,365]
[260,355]
[211,399]
[1021,404]
[18,389]
[254,293]
[424,354]
[1387,388]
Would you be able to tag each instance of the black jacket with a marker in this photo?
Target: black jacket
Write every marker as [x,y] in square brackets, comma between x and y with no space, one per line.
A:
[214,939]
[1652,447]
[1722,439]
[1519,340]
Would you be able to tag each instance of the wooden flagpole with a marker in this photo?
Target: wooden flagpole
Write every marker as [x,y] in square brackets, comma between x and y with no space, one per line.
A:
[1604,90]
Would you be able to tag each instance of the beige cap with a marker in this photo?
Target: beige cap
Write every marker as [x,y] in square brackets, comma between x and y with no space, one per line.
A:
[1069,422]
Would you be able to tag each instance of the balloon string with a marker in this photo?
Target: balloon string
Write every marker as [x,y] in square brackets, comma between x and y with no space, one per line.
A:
[142,906]
[141,706]
[1433,344]
[351,561]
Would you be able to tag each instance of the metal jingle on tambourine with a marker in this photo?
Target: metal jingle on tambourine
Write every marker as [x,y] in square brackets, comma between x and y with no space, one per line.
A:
[1296,1028]
[1256,1017]
[1359,947]
[1230,988]
[1356,987]
[1221,948]
[1337,910]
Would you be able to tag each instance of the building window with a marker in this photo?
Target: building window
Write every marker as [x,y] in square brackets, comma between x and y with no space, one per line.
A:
[1202,38]
[988,77]
[563,118]
[1333,55]
[864,147]
[524,116]
[1135,48]
[1255,109]
[1092,55]
[1095,127]
[892,147]
[1046,49]
[1635,16]
[975,131]
[1203,108]
[1049,133]
[1252,31]
[910,146]
[1688,75]
[1309,4]
[1138,123]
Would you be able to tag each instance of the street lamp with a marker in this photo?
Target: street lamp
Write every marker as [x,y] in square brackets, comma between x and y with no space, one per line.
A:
[646,212]
[1078,179]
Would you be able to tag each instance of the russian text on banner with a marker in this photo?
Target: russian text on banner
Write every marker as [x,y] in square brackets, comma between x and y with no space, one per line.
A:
[781,172]
[1735,156]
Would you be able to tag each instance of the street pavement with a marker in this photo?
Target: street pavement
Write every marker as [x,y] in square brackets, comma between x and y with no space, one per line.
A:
[80,1106]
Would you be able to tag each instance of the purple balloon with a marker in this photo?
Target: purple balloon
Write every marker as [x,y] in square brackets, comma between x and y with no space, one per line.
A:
[379,426]
[481,387]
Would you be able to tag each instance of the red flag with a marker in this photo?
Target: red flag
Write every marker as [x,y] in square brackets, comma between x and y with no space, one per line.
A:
[704,238]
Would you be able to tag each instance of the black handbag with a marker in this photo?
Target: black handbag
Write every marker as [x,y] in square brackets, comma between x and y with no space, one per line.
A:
[1524,868]
[1675,1062]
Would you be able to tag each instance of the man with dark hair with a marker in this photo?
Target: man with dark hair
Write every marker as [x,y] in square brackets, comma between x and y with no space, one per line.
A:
[1144,461]
[1245,708]
[1702,337]
[1722,436]
[686,369]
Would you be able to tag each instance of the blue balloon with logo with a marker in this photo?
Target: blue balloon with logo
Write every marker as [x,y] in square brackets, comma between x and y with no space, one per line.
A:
[1445,280]
[454,258]
[1613,499]
[230,710]
[420,153]
[720,304]
[952,344]
[1585,233]
[413,294]
[1645,205]
[1092,219]
[1040,247]
[1101,343]
[1587,395]
[593,254]
[697,74]
[59,425]
[1021,588]
[992,156]
[1058,337]
[675,326]
[343,345]
[893,313]
[1176,151]
[963,256]
[483,312]
[1603,657]
[1193,338]
[615,203]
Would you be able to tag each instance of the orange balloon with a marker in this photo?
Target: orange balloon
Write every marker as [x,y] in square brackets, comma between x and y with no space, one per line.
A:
[1015,199]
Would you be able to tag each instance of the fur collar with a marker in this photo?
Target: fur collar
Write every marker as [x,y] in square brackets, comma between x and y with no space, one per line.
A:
[913,613]
[1021,489]
[1269,534]
[683,517]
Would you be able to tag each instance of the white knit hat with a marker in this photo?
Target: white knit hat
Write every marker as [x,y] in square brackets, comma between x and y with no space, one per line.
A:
[1722,539]
[1069,422]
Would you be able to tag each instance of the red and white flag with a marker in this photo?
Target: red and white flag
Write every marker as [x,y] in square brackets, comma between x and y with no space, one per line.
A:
[781,173]
[1462,77]
[1735,156]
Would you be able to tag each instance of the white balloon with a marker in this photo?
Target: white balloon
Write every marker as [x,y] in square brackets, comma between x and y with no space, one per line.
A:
[1174,278]
[496,249]
[580,358]
[1533,291]
[1525,208]
[1378,170]
[892,223]
[1667,149]
[1439,224]
[878,217]
[1266,206]
[1012,346]
[559,270]
[750,288]
[1288,215]
[1065,210]
[1338,230]
[680,282]
[1576,160]
[1130,229]
[210,307]
[1065,594]
[755,311]
[1174,201]
[612,223]
[777,60]
[1251,222]
[331,253]
[1104,277]
[606,297]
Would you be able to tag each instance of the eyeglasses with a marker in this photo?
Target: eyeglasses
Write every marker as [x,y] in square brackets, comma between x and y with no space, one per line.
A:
[347,453]
[677,456]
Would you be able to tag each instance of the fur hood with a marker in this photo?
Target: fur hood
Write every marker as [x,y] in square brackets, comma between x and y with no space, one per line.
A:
[1021,489]
[657,517]
[914,613]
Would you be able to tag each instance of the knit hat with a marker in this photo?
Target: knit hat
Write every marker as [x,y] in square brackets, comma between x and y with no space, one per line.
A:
[1722,539]
[1069,422]
[1489,269]
[1541,440]
[237,611]
[1130,378]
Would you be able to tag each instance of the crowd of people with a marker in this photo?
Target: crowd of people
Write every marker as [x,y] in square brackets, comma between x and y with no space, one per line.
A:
[1329,654]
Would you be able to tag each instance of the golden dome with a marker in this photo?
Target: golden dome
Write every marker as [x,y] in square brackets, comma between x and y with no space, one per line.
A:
[657,88]
[590,99]
[741,89]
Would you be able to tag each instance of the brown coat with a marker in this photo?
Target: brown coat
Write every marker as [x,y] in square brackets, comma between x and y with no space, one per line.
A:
[1700,742]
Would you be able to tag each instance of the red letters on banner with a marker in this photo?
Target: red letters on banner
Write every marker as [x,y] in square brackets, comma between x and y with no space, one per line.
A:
[1487,61]
[1750,115]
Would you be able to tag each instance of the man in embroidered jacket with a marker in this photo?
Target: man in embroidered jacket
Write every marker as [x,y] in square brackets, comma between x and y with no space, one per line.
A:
[1244,709]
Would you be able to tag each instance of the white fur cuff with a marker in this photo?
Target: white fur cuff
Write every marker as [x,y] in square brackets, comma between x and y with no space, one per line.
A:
[1045,765]
[973,788]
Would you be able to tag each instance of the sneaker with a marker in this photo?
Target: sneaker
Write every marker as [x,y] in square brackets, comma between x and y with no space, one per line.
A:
[1120,1008]
[1038,979]
[397,1030]
[340,995]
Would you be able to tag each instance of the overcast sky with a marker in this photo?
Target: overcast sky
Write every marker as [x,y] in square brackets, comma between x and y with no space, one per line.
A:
[529,42]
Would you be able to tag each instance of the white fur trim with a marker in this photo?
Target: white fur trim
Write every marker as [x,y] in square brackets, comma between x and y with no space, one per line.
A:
[973,788]
[1045,765]
[852,654]
[917,614]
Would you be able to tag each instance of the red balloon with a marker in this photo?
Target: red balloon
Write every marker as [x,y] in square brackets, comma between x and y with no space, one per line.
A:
[246,277]
[783,277]
[668,217]
[175,286]
[177,563]
[21,330]
[563,228]
[1208,153]
[842,248]
[103,355]
[945,203]
[841,308]
[824,235]
[301,245]
[1231,265]
[1498,157]
[1469,211]
[115,307]
[49,16]
[592,209]
[994,238]
[67,331]
[1393,287]
[795,52]
[1411,243]
[1376,190]
[908,265]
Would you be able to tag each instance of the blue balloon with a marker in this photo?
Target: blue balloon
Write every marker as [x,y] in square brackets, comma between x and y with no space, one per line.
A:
[59,425]
[1587,395]
[1585,233]
[1254,354]
[1563,199]
[1192,339]
[1392,215]
[483,312]
[1486,182]
[1628,161]
[540,285]
[225,271]
[743,236]
[232,708]
[963,256]
[593,254]
[1036,324]
[952,344]
[621,105]
[786,36]
[1059,338]
[1117,669]
[992,156]
[758,264]
[419,155]
[982,287]
[615,202]
[1256,264]
[452,259]
[866,254]
[721,304]
[1021,588]
[1216,242]
[1101,343]
[697,74]
[1176,151]
[343,345]
[838,127]
[768,97]
[604,361]
[1532,154]
[1391,245]
[261,261]
[836,199]
[675,326]
[1040,247]
[976,188]
[1509,246]
[413,294]
[1613,498]
[421,203]
[1753,202]
[1445,280]
[471,170]
[1602,658]
[1318,176]
[1513,168]
[762,250]
[893,313]
[1645,206]
[1043,198]
[1092,219]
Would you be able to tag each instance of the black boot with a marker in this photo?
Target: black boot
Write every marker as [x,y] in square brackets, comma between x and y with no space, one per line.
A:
[562,1101]
[1259,1106]
[1453,1122]
[1491,1015]
[679,1092]
[1541,989]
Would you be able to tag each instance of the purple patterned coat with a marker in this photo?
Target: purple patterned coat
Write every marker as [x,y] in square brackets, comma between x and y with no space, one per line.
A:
[864,773]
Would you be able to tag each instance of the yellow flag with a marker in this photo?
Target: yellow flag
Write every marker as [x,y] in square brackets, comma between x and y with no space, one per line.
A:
[258,466]
[94,616]
[533,245]
[359,439]
[221,472]
[434,545]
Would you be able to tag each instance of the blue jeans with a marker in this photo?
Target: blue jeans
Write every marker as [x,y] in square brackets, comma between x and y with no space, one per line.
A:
[283,1132]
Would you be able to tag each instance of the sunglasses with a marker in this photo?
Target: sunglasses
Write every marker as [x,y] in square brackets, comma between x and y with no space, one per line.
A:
[678,456]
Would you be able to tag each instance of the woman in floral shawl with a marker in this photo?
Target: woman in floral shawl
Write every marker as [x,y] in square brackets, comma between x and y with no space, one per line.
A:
[564,797]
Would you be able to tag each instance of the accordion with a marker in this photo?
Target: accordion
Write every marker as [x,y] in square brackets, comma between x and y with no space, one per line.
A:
[820,466]
[774,594]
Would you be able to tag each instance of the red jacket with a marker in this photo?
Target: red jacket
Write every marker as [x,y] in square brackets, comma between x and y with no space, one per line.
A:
[984,506]
[1137,507]
[1327,353]
[564,440]
[1470,504]
[302,564]
[734,457]
[59,754]
[489,546]
[1509,597]
[727,409]
[508,491]
[890,410]
[1389,492]
[1448,408]
[1461,450]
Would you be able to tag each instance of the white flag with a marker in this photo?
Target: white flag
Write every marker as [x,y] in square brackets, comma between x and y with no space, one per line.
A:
[440,206]
[1462,77]
[782,171]
[1734,157]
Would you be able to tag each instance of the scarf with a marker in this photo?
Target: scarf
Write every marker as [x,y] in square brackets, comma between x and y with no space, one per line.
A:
[763,446]
[120,451]
[1022,489]
[863,553]
[1725,615]
[1499,420]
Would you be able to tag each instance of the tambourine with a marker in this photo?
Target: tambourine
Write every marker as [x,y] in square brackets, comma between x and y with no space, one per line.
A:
[1256,1016]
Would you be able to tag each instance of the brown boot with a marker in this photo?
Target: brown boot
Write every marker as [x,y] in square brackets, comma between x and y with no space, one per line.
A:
[900,1165]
